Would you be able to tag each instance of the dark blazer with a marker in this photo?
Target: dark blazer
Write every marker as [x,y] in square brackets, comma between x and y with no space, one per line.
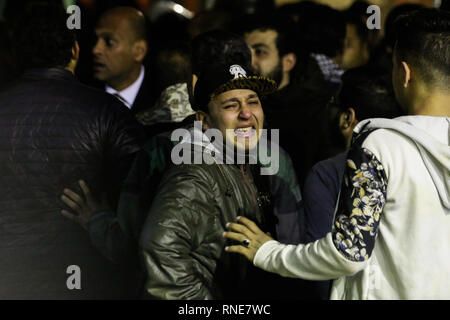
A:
[146,96]
[53,132]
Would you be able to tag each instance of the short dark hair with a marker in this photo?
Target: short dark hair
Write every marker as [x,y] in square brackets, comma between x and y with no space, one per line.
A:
[424,42]
[281,23]
[287,40]
[322,29]
[390,34]
[41,37]
[219,47]
[171,63]
[369,92]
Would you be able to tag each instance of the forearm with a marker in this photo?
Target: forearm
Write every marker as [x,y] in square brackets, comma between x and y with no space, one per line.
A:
[347,248]
[319,260]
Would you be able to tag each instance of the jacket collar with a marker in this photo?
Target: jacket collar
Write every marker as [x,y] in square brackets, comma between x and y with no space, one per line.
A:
[48,73]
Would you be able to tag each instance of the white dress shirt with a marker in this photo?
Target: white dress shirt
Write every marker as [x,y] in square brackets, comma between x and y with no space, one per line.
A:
[129,94]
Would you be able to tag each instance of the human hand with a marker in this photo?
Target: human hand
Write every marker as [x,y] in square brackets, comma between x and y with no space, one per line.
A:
[248,234]
[83,207]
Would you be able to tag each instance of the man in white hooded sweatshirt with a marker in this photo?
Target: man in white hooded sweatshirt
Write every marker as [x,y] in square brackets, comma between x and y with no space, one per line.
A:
[391,234]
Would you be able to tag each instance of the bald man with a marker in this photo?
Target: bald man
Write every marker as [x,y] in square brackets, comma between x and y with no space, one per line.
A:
[119,53]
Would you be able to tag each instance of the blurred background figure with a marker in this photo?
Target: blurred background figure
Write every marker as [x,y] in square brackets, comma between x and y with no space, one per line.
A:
[359,8]
[172,67]
[382,56]
[322,32]
[273,45]
[298,108]
[119,53]
[357,46]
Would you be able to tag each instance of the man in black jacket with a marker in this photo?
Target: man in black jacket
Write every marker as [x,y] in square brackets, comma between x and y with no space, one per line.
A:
[55,131]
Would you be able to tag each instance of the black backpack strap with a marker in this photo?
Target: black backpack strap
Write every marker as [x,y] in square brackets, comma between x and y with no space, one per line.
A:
[358,138]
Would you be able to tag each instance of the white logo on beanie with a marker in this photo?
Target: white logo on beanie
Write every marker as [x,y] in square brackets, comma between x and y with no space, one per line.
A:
[237,71]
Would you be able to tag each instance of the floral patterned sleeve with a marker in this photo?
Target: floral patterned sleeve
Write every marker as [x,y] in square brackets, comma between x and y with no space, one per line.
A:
[362,198]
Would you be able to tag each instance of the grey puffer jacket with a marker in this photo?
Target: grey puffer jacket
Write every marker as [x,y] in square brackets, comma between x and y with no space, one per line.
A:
[53,132]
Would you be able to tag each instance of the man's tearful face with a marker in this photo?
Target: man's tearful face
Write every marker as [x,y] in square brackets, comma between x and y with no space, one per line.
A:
[239,117]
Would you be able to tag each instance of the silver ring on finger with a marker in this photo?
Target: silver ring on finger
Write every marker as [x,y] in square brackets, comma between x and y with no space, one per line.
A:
[245,243]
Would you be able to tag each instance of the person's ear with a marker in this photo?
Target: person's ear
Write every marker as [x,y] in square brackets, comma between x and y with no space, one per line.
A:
[406,74]
[288,61]
[204,118]
[75,51]
[140,48]
[352,116]
[71,66]
[194,82]
[347,120]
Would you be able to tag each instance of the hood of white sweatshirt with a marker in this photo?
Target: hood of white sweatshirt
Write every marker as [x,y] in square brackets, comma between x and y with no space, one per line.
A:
[432,138]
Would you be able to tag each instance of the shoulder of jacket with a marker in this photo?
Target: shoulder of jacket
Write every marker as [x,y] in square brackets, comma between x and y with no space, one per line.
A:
[382,138]
[197,171]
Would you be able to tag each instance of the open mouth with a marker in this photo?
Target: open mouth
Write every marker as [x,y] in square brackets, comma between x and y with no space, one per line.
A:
[98,66]
[245,132]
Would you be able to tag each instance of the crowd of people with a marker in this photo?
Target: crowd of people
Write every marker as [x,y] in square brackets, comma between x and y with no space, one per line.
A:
[348,197]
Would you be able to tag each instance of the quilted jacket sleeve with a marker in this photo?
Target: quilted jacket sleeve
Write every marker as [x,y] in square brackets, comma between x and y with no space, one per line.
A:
[116,234]
[179,220]
[122,137]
